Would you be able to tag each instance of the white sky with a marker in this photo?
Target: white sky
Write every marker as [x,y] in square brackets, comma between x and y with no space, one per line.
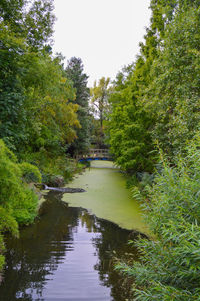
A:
[105,34]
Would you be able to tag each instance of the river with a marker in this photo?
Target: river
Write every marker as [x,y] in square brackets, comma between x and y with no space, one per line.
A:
[67,254]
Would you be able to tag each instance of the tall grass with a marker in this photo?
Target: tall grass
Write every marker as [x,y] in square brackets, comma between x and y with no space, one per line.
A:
[170,264]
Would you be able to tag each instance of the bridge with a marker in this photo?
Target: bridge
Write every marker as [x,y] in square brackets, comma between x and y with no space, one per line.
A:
[94,154]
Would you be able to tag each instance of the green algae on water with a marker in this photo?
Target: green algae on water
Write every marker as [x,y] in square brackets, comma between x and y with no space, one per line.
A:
[106,196]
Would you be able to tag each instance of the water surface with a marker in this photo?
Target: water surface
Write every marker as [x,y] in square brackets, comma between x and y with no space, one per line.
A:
[106,196]
[66,255]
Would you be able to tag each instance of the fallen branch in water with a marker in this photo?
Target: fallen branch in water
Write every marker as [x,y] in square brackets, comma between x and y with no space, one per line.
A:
[60,189]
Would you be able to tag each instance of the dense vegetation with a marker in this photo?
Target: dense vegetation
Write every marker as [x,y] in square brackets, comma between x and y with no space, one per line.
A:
[75,73]
[43,109]
[155,108]
[18,203]
[170,263]
[150,116]
[156,99]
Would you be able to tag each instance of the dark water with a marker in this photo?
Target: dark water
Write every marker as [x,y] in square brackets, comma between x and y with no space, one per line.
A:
[66,255]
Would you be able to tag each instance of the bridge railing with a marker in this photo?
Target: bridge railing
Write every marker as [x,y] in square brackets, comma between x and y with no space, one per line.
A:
[94,153]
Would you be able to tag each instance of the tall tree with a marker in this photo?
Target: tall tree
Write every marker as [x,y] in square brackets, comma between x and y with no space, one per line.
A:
[12,14]
[16,27]
[12,95]
[170,269]
[99,99]
[148,102]
[129,124]
[173,95]
[33,20]
[100,105]
[75,72]
[38,23]
[51,117]
[34,109]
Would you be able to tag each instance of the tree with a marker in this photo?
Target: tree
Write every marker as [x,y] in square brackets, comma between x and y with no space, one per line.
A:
[75,73]
[158,102]
[38,23]
[33,22]
[51,117]
[129,124]
[12,115]
[17,24]
[169,265]
[99,99]
[11,13]
[173,95]
[99,103]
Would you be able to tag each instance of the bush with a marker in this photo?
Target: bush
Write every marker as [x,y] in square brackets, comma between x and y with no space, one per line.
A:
[170,264]
[18,204]
[30,173]
[50,165]
[2,249]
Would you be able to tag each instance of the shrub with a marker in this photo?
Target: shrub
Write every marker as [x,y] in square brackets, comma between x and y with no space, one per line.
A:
[30,173]
[50,165]
[170,264]
[18,204]
[15,196]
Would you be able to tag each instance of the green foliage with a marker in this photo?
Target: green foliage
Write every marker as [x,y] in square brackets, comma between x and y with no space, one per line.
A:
[51,165]
[2,258]
[2,249]
[100,107]
[18,204]
[17,34]
[11,13]
[170,264]
[34,22]
[25,210]
[7,223]
[51,118]
[34,90]
[11,90]
[37,120]
[38,23]
[14,194]
[129,125]
[99,98]
[75,73]
[156,100]
[173,96]
[30,173]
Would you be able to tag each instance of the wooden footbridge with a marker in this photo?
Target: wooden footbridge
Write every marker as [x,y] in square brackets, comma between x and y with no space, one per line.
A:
[94,154]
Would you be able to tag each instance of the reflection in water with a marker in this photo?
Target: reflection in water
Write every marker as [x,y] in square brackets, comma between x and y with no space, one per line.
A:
[66,255]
